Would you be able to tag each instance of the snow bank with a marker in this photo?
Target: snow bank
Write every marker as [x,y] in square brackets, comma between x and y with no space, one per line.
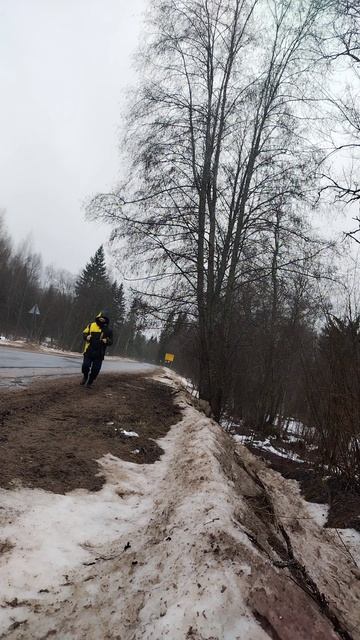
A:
[140,556]
[350,538]
[8,342]
[320,551]
[175,550]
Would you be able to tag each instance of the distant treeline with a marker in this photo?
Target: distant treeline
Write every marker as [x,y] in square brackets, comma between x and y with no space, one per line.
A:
[66,303]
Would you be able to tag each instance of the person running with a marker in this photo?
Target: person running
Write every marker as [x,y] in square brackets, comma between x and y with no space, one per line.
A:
[97,336]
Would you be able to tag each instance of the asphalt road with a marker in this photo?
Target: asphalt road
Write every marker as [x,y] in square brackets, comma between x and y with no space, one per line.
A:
[18,366]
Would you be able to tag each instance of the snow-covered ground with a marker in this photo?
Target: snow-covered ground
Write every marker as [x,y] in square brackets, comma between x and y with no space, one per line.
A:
[137,545]
[176,550]
[349,538]
[47,348]
[268,446]
[12,343]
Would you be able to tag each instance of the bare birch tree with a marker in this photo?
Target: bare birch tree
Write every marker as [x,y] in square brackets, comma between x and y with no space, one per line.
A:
[340,46]
[219,157]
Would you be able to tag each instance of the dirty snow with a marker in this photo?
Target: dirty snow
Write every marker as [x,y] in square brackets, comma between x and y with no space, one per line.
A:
[187,383]
[268,446]
[127,434]
[349,538]
[52,533]
[165,573]
[322,553]
[164,551]
[16,343]
[319,512]
[351,541]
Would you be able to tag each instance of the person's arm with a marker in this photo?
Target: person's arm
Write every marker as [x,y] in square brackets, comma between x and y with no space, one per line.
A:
[86,334]
[108,340]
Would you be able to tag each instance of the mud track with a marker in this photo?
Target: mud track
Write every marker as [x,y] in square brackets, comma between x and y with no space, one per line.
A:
[52,433]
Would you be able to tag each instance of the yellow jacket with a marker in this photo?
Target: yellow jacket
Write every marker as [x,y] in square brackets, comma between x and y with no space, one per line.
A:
[95,347]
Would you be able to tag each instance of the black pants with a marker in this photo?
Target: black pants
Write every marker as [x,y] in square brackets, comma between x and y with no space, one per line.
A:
[91,366]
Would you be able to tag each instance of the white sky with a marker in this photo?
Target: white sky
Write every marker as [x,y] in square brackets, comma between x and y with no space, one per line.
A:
[64,68]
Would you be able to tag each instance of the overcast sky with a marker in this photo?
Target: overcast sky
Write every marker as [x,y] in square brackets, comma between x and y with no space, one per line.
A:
[64,69]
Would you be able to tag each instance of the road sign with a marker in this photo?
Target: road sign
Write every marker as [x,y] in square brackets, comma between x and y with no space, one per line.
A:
[169,357]
[35,311]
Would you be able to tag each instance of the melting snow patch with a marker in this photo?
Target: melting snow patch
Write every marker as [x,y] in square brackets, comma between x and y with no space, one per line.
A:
[348,538]
[52,533]
[291,438]
[289,455]
[267,446]
[295,427]
[319,512]
[129,434]
[351,541]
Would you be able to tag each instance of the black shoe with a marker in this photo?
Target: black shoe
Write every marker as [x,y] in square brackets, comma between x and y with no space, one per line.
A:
[88,385]
[84,380]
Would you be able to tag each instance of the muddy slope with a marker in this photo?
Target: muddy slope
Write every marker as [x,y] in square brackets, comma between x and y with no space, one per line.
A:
[52,434]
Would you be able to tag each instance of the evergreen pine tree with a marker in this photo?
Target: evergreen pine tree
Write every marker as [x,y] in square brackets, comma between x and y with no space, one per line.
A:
[118,304]
[93,292]
[94,275]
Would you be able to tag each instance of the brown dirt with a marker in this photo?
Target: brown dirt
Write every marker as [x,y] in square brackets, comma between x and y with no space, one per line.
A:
[52,433]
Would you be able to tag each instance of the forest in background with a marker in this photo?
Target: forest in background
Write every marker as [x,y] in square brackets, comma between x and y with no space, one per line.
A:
[67,303]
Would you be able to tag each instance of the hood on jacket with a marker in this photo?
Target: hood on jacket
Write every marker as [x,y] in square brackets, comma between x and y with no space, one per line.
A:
[103,314]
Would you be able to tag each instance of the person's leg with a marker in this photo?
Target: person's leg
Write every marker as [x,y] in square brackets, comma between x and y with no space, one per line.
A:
[95,368]
[85,368]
